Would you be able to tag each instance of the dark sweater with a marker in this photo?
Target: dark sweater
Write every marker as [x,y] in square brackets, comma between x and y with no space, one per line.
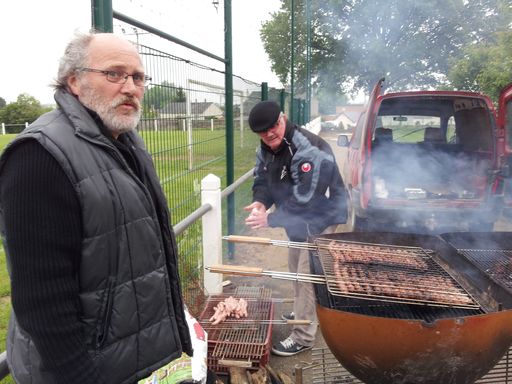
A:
[42,213]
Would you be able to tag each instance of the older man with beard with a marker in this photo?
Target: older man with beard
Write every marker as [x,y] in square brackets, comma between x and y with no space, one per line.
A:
[91,253]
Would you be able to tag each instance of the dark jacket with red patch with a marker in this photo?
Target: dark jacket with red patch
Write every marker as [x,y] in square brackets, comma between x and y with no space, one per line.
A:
[302,179]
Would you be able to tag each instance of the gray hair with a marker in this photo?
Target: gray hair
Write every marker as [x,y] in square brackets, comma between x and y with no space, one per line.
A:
[75,56]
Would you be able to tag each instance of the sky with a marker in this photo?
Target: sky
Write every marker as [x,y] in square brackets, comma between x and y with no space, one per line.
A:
[34,34]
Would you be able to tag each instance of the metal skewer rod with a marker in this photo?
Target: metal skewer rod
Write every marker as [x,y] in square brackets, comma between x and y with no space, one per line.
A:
[255,321]
[253,271]
[323,244]
[267,241]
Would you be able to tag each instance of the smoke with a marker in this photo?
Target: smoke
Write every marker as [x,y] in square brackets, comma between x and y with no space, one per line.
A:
[437,176]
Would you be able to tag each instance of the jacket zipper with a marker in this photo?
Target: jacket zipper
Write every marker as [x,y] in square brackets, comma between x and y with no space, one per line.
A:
[104,321]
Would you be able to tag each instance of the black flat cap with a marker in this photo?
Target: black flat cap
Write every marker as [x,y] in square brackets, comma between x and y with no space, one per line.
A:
[264,115]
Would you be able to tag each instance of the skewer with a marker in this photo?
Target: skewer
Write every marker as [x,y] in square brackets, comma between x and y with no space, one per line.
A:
[321,244]
[267,241]
[277,300]
[331,282]
[255,321]
[252,271]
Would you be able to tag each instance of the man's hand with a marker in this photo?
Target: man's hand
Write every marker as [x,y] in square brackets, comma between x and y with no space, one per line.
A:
[258,216]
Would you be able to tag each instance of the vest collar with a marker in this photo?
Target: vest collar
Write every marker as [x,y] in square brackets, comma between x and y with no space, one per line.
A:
[81,120]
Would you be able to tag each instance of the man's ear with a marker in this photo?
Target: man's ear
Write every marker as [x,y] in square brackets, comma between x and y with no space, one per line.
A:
[74,84]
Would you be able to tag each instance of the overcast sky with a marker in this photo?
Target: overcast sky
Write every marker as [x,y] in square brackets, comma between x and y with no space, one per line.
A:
[34,34]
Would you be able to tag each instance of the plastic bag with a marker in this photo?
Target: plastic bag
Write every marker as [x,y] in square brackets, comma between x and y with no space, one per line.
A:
[185,369]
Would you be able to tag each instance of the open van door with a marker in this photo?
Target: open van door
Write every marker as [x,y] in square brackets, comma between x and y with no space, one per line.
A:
[504,123]
[371,113]
[356,174]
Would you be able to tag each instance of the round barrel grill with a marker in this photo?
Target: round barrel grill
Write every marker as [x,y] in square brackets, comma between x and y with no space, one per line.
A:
[423,338]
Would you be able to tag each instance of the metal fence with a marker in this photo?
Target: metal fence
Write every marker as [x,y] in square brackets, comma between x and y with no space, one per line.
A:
[184,128]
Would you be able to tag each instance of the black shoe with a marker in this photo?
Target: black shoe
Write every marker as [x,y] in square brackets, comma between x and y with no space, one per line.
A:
[288,316]
[288,347]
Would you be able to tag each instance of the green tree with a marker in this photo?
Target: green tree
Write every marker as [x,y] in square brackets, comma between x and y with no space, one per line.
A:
[2,102]
[158,96]
[485,68]
[356,42]
[26,108]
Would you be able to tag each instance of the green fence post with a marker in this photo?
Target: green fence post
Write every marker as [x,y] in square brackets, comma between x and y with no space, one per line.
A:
[228,54]
[307,114]
[102,15]
[292,59]
[264,91]
[282,96]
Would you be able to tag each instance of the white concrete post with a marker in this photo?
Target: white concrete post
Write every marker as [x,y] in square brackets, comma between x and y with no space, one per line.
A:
[155,124]
[26,124]
[3,129]
[212,232]
[211,125]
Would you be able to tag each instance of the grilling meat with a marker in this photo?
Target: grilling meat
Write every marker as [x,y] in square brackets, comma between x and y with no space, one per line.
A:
[229,307]
[393,273]
[373,254]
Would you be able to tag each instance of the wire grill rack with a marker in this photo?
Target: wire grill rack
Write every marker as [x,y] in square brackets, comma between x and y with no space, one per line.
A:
[497,263]
[244,342]
[389,273]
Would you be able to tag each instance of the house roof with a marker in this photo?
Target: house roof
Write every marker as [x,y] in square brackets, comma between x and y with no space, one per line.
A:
[180,108]
[352,115]
[351,111]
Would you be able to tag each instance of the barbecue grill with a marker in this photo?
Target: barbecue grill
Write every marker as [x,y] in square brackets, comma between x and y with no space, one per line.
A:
[446,319]
[391,342]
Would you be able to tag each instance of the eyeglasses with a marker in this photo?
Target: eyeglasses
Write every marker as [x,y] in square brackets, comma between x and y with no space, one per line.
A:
[119,77]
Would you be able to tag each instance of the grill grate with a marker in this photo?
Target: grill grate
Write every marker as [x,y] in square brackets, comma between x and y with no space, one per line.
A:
[389,273]
[327,370]
[497,263]
[428,314]
[240,342]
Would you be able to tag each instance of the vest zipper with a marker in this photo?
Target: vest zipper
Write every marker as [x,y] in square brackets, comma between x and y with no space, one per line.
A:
[104,319]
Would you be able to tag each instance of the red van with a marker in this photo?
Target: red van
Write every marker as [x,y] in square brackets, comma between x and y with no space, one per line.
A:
[428,161]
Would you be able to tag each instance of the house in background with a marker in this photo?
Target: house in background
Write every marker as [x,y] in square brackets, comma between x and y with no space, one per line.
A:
[198,110]
[347,115]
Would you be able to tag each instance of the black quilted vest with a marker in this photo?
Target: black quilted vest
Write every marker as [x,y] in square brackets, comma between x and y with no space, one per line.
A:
[131,305]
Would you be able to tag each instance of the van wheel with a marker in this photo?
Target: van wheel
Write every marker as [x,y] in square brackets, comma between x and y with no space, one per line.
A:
[355,223]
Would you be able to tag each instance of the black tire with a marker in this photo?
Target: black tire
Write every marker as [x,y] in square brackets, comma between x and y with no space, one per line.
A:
[355,223]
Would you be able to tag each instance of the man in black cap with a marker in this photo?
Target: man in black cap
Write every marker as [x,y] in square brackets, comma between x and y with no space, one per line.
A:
[296,171]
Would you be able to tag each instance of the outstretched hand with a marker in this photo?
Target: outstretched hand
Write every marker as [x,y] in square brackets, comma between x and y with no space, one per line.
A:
[258,216]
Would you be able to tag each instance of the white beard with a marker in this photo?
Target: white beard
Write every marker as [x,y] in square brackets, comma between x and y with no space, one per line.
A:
[114,121]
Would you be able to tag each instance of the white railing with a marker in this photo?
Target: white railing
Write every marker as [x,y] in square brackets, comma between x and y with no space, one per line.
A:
[210,212]
[12,125]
